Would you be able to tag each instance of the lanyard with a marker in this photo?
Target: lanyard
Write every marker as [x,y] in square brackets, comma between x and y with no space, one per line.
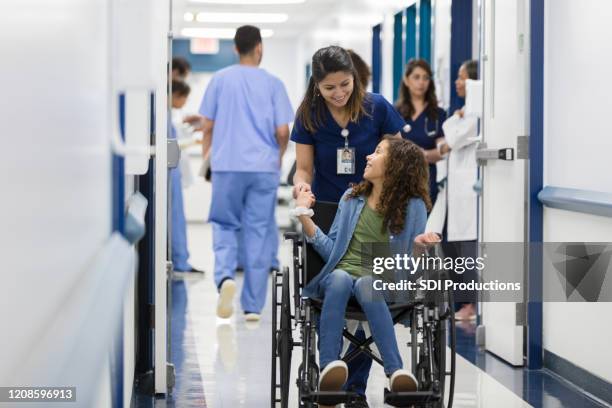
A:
[345,135]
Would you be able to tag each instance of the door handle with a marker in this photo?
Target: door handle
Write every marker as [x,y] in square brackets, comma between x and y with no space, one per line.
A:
[483,154]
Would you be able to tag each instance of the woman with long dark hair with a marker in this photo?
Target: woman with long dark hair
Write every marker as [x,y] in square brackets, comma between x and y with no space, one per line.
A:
[388,207]
[418,105]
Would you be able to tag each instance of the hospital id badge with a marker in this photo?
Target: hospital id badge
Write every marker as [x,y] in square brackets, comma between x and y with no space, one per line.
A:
[345,160]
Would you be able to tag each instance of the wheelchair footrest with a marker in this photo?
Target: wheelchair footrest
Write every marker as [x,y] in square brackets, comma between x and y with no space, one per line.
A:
[332,397]
[403,399]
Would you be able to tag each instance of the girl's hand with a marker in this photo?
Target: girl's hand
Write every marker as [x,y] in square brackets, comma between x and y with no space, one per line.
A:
[427,238]
[305,199]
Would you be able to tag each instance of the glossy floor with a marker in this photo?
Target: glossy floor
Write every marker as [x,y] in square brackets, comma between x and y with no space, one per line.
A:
[225,363]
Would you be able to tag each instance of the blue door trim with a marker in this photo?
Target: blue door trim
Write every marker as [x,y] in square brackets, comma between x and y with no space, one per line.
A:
[376,58]
[536,182]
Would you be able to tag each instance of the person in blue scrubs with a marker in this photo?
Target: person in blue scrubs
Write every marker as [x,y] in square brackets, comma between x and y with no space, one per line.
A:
[247,112]
[337,114]
[418,105]
[178,226]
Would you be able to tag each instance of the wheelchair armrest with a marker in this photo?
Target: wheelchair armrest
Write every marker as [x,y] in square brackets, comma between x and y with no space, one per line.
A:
[296,237]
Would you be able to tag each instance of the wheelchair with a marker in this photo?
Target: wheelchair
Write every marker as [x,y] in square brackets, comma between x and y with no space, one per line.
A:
[431,321]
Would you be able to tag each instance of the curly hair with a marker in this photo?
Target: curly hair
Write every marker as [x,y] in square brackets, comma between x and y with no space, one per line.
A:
[406,176]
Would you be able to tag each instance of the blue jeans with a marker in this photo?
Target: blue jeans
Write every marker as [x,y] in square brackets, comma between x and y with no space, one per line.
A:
[338,287]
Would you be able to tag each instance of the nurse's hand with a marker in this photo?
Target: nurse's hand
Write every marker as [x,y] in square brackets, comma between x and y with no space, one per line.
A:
[299,188]
[305,199]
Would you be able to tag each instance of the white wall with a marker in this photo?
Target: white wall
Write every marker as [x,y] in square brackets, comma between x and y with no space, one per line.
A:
[577,144]
[55,163]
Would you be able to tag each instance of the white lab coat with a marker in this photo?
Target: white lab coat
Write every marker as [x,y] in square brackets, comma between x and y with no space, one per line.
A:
[458,197]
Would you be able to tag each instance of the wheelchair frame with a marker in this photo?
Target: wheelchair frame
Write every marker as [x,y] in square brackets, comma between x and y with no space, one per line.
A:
[428,316]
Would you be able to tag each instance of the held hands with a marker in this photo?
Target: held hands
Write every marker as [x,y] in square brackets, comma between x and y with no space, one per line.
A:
[300,187]
[305,199]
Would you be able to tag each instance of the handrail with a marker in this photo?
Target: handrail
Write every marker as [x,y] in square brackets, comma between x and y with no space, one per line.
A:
[581,201]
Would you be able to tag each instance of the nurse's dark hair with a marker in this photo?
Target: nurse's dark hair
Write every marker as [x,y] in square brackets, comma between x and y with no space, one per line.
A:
[327,61]
[404,105]
[471,67]
[180,88]
[246,39]
[406,177]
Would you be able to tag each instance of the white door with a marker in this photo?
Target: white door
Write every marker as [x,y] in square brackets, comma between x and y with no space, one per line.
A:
[502,214]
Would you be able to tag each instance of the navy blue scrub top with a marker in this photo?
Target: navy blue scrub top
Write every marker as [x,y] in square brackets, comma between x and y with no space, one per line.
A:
[420,127]
[364,135]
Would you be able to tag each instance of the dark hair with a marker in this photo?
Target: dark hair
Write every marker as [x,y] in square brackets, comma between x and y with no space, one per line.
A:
[471,67]
[327,61]
[363,70]
[404,101]
[180,88]
[181,65]
[406,177]
[246,39]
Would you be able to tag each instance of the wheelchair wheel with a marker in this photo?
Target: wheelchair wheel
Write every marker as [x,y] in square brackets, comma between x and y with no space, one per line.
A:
[445,332]
[282,341]
[432,364]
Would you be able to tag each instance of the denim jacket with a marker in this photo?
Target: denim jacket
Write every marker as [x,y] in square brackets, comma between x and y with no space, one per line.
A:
[334,245]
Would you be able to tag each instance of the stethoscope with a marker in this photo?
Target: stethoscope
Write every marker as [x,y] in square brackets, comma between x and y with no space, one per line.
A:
[431,133]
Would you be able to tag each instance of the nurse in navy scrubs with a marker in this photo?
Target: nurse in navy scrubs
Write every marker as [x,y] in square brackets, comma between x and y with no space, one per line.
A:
[337,114]
[418,104]
[337,125]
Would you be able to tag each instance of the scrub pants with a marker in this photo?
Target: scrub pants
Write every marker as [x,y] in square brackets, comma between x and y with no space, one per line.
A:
[180,253]
[338,287]
[243,201]
[272,244]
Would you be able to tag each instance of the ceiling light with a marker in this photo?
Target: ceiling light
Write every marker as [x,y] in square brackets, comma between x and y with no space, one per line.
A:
[188,17]
[222,33]
[206,17]
[249,2]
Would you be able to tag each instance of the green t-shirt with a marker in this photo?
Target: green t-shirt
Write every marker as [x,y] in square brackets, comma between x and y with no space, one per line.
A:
[357,260]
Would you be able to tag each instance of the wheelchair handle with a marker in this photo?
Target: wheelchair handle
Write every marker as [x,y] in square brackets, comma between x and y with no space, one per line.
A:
[292,235]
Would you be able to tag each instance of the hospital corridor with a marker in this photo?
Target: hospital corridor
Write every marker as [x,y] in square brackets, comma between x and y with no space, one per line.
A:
[306,203]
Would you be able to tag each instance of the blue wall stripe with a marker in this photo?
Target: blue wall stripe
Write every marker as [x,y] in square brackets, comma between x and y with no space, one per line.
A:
[425,30]
[376,58]
[536,181]
[398,51]
[206,62]
[411,33]
[461,45]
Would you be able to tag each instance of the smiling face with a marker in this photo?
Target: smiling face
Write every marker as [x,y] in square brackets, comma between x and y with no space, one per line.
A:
[336,88]
[417,82]
[375,167]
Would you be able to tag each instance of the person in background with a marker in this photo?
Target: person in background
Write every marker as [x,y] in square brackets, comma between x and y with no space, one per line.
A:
[418,105]
[460,233]
[363,70]
[246,114]
[178,238]
[180,68]
[337,114]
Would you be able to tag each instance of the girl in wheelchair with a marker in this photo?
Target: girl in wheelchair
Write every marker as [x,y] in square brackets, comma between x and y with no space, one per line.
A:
[389,206]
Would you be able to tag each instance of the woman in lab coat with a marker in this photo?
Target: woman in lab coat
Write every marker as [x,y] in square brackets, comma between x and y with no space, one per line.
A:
[457,203]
